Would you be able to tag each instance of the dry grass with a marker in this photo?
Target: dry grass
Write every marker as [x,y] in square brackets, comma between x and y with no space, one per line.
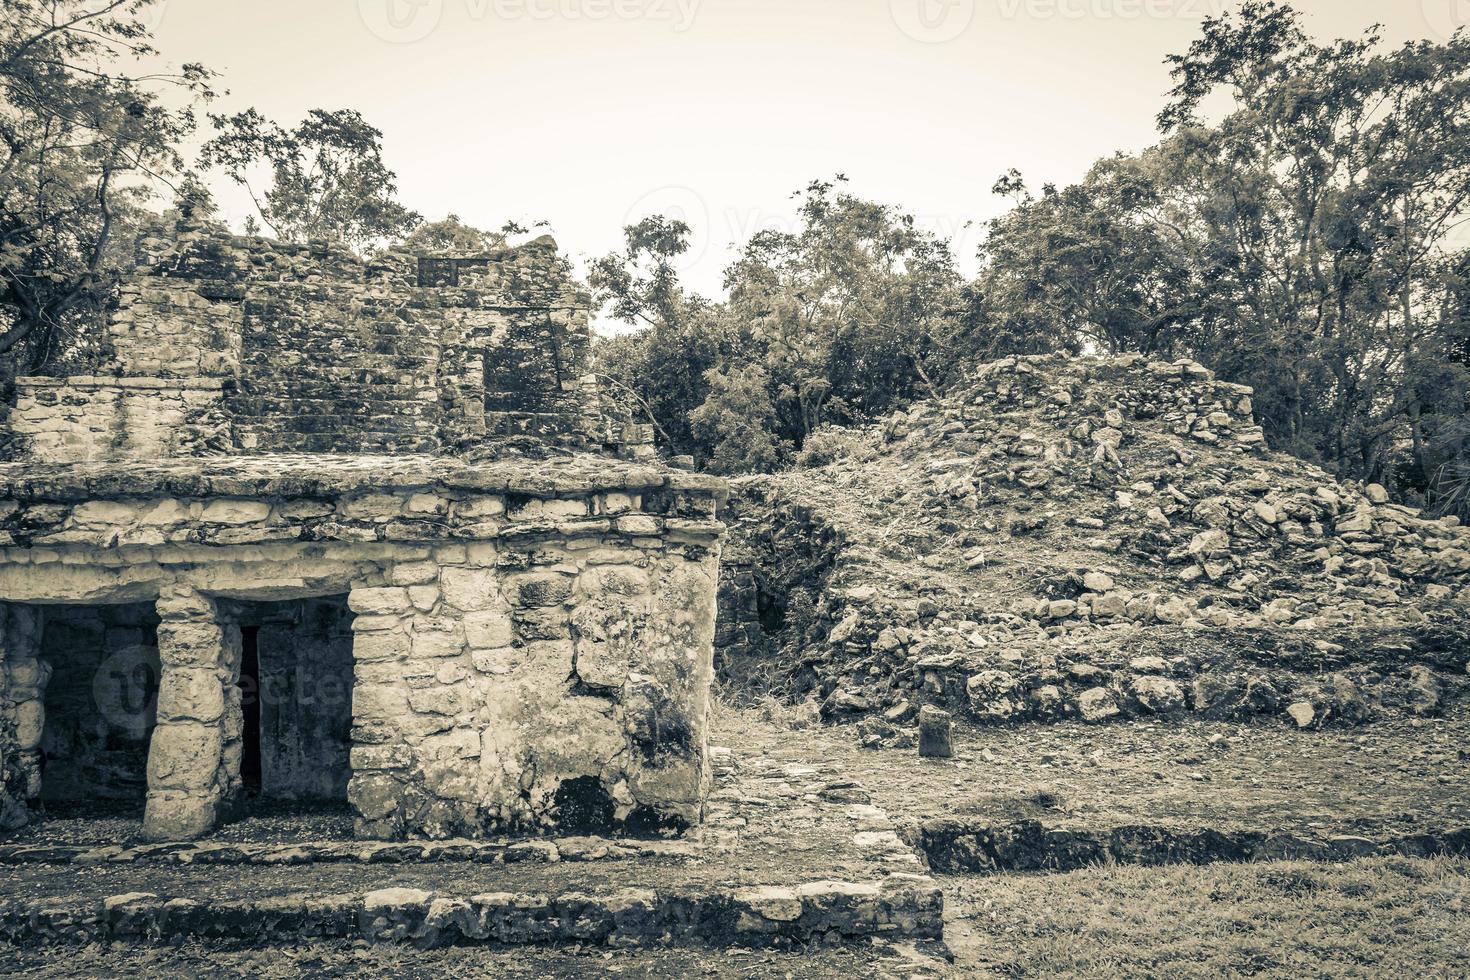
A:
[1371,918]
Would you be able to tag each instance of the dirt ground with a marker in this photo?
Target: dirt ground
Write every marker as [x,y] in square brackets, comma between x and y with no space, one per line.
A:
[1401,776]
[797,797]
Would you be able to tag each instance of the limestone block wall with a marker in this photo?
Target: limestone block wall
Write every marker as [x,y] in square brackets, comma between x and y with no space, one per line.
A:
[532,647]
[162,331]
[334,353]
[530,688]
[516,346]
[87,418]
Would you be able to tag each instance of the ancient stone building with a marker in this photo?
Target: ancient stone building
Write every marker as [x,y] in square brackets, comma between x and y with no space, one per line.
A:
[327,529]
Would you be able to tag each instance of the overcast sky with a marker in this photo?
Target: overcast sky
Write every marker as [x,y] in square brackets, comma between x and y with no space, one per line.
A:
[590,114]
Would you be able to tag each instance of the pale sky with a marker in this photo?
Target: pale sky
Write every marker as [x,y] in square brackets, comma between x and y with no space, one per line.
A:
[590,114]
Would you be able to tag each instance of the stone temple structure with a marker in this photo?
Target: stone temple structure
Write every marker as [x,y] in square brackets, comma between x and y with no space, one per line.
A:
[326,529]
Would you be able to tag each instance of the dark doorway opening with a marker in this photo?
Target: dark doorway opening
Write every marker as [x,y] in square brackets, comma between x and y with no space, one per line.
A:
[100,705]
[250,763]
[296,675]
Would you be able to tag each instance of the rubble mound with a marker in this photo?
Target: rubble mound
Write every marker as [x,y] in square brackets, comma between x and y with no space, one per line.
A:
[1089,538]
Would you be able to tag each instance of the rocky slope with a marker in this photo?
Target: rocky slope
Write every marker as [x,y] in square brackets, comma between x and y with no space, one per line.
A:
[1091,538]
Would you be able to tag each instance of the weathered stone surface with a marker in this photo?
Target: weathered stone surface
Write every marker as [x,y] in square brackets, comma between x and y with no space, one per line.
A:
[1096,704]
[1302,713]
[179,816]
[190,694]
[1157,695]
[936,733]
[533,614]
[184,756]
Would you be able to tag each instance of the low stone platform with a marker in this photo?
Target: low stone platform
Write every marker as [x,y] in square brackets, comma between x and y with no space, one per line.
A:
[901,905]
[958,846]
[349,852]
[784,856]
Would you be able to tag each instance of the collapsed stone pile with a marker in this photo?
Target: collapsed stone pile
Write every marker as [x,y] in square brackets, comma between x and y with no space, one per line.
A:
[1095,538]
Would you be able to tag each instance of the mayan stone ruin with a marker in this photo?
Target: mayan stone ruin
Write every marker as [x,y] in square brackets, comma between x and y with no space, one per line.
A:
[386,497]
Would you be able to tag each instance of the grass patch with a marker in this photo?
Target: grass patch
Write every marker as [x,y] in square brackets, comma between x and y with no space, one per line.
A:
[1371,918]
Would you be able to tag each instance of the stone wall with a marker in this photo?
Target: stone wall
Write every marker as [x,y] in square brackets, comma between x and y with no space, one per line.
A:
[22,712]
[532,647]
[554,681]
[85,418]
[224,343]
[312,349]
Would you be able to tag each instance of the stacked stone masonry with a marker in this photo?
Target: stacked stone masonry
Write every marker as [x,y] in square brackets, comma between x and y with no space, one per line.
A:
[225,343]
[333,528]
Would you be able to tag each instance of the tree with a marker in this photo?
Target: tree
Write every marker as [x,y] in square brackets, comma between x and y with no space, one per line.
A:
[453,236]
[328,178]
[641,283]
[1316,213]
[855,309]
[1297,238]
[663,367]
[1082,267]
[736,421]
[83,143]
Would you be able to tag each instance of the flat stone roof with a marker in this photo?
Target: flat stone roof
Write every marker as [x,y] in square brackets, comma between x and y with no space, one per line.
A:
[325,476]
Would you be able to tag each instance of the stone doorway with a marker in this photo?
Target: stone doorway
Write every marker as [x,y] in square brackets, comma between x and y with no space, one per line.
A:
[296,673]
[98,677]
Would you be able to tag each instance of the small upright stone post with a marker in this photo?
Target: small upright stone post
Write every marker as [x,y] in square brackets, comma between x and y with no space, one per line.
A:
[194,755]
[936,733]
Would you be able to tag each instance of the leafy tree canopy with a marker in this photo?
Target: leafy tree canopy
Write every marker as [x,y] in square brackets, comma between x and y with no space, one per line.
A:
[86,138]
[327,176]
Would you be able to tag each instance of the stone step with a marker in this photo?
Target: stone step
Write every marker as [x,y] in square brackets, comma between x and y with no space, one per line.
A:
[972,846]
[900,906]
[547,850]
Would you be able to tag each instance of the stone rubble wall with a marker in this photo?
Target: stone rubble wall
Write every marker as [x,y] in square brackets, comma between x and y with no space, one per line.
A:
[970,845]
[87,418]
[819,912]
[22,712]
[335,353]
[226,343]
[1096,539]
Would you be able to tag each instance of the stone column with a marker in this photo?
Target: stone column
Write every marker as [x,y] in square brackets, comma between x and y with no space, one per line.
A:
[194,756]
[22,704]
[381,651]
